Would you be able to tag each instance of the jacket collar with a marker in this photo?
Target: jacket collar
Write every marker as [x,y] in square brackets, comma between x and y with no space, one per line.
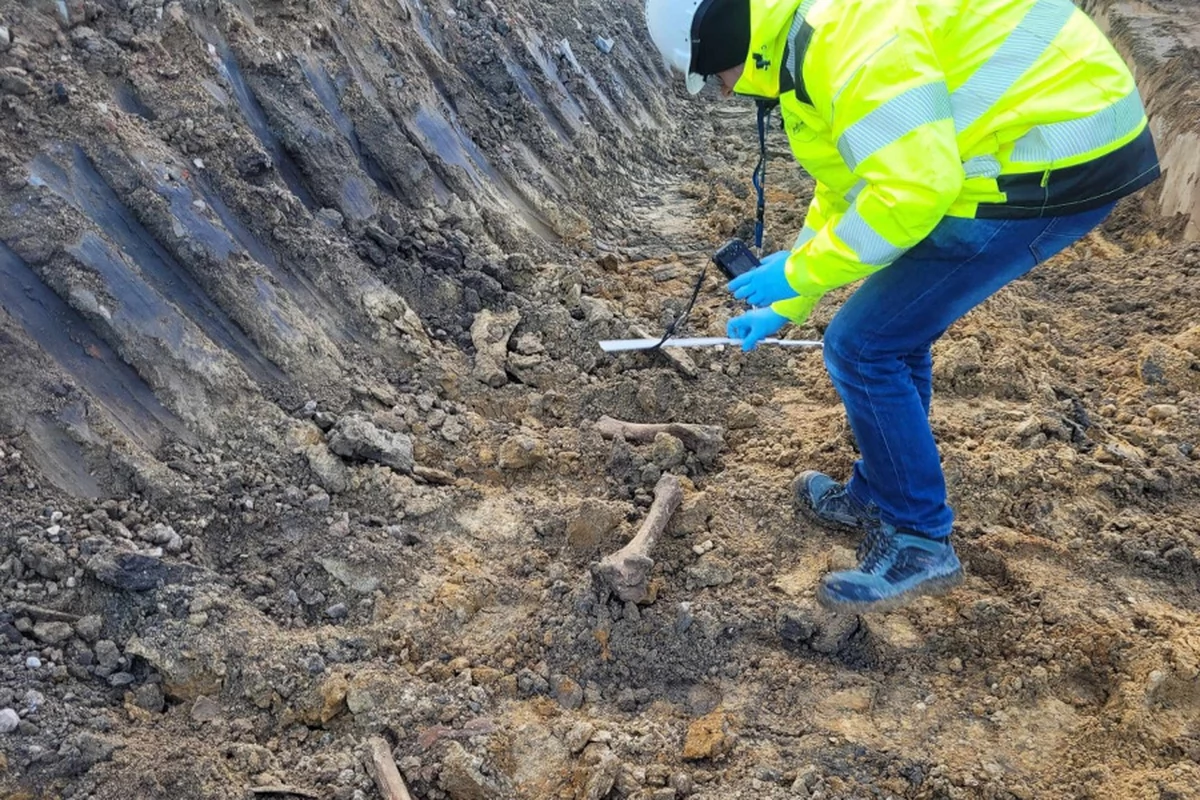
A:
[770,21]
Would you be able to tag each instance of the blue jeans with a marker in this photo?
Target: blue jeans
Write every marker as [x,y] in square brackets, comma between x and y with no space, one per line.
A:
[877,351]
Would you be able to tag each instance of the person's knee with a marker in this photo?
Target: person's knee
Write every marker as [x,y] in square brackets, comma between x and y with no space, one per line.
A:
[843,343]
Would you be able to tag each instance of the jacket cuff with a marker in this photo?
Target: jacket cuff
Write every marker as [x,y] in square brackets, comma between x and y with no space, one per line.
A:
[796,309]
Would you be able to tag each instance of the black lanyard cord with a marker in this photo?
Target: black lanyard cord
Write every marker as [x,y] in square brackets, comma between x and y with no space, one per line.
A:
[759,179]
[686,311]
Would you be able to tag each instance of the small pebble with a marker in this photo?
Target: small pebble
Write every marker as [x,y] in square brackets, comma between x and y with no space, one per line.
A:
[9,720]
[33,662]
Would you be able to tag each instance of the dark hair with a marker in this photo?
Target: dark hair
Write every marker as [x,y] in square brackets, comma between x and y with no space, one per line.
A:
[720,35]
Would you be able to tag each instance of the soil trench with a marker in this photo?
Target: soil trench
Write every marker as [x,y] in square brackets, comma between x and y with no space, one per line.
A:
[301,438]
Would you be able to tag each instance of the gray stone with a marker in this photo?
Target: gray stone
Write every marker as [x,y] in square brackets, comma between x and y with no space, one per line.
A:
[107,654]
[351,577]
[521,451]
[358,438]
[130,571]
[52,632]
[461,777]
[331,472]
[149,697]
[796,625]
[9,720]
[120,679]
[88,628]
[205,709]
[490,333]
[13,81]
[337,611]
[5,38]
[709,571]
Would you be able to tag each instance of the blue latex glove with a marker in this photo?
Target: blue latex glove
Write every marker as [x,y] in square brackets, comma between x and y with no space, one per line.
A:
[754,326]
[765,284]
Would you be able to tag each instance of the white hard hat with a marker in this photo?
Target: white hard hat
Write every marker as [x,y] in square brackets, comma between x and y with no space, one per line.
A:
[670,25]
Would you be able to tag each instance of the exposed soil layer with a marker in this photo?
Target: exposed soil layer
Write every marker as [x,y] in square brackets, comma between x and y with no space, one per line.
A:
[299,305]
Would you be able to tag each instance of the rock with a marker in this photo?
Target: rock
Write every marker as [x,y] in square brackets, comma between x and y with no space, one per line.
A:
[352,578]
[357,438]
[692,517]
[1162,412]
[359,700]
[743,416]
[707,738]
[601,778]
[520,451]
[9,720]
[579,736]
[710,570]
[604,46]
[591,523]
[186,673]
[337,611]
[13,81]
[490,333]
[149,697]
[318,705]
[52,632]
[251,165]
[318,503]
[33,662]
[796,625]
[108,655]
[668,451]
[81,752]
[129,571]
[5,38]
[120,679]
[461,777]
[46,560]
[567,692]
[1161,364]
[205,709]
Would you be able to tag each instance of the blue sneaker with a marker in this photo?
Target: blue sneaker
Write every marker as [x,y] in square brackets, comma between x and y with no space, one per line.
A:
[896,568]
[822,500]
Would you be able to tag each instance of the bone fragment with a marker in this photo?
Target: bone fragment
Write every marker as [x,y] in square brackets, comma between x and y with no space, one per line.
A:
[383,769]
[627,572]
[703,440]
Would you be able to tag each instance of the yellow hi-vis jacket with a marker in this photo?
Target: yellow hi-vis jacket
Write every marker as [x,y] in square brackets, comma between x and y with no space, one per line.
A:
[907,111]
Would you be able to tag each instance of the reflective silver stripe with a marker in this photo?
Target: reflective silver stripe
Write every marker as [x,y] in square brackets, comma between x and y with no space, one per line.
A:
[855,190]
[1059,141]
[1023,47]
[902,114]
[797,23]
[807,234]
[865,241]
[982,167]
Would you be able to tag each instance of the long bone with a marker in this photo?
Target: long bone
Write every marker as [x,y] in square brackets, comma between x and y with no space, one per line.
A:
[627,572]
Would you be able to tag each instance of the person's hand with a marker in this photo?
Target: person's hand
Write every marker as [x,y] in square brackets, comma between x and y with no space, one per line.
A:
[764,284]
[754,326]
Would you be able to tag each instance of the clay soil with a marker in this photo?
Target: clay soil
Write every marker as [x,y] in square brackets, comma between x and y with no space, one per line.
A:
[299,311]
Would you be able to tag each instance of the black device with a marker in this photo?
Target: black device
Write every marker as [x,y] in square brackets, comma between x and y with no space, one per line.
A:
[734,258]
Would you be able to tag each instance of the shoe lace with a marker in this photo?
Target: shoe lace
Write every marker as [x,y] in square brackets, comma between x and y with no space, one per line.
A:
[881,547]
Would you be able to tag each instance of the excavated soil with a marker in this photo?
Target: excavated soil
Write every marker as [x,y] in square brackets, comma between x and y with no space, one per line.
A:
[299,305]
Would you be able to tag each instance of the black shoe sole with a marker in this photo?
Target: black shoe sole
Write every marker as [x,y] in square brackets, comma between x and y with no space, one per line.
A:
[930,588]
